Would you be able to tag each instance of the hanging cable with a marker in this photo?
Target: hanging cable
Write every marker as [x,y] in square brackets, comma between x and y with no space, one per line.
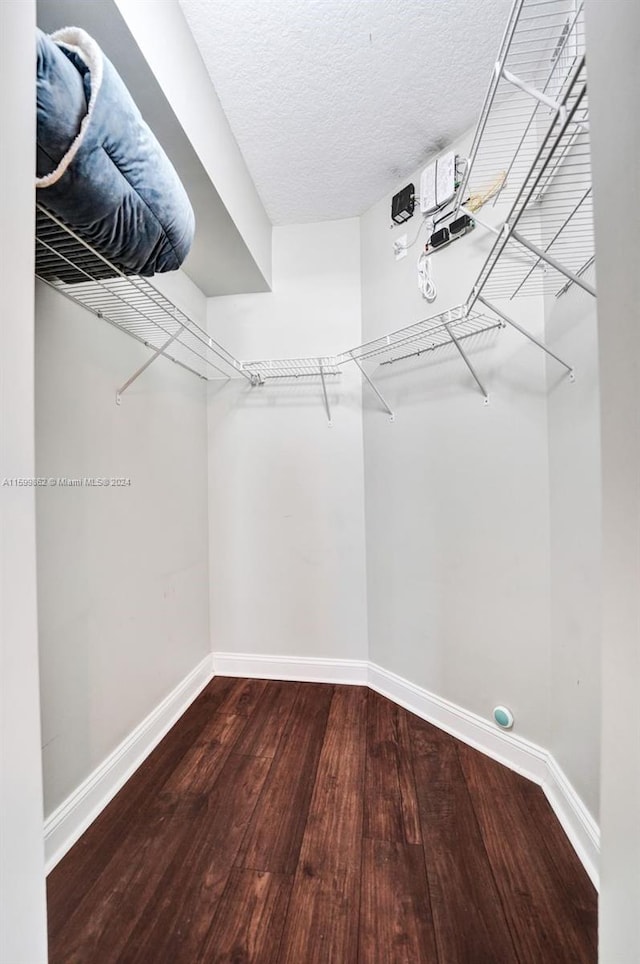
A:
[425,220]
[475,201]
[426,283]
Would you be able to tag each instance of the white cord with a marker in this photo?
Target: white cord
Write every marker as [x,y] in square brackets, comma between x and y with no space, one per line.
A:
[425,220]
[426,283]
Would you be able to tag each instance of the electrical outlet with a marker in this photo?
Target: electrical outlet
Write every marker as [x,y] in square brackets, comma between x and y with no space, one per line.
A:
[400,247]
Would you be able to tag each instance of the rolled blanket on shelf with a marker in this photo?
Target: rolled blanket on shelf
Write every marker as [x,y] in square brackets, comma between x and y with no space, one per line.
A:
[100,169]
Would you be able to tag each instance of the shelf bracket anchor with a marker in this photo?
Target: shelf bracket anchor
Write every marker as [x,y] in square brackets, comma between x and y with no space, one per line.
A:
[324,392]
[540,344]
[467,362]
[149,361]
[544,256]
[373,387]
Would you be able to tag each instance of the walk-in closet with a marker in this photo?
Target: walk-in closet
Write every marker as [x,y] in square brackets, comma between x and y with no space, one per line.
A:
[319,478]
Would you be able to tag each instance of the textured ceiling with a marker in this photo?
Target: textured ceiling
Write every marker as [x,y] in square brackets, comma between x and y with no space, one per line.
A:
[333,102]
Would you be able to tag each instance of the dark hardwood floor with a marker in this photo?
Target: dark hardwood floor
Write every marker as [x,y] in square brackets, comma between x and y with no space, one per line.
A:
[304,823]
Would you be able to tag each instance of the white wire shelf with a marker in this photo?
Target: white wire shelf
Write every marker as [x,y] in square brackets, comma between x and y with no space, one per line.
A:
[425,336]
[548,238]
[436,331]
[264,369]
[541,46]
[69,265]
[534,130]
[449,327]
[72,267]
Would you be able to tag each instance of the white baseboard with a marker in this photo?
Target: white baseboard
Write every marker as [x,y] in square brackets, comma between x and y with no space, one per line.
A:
[514,751]
[519,754]
[70,820]
[526,758]
[579,826]
[303,669]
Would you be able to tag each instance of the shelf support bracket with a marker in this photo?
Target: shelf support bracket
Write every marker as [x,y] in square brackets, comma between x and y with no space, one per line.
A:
[545,256]
[467,362]
[373,387]
[324,392]
[540,344]
[534,92]
[579,272]
[483,224]
[149,361]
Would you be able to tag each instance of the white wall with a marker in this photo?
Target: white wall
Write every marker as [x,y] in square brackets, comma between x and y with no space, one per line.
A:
[162,33]
[287,542]
[23,936]
[457,494]
[122,572]
[613,31]
[575,492]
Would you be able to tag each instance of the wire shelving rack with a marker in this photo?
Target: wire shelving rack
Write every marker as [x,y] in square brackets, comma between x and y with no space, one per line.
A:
[71,266]
[534,133]
[541,45]
[445,328]
[532,141]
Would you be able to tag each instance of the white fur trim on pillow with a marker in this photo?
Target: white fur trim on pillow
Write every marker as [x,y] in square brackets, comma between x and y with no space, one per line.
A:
[79,41]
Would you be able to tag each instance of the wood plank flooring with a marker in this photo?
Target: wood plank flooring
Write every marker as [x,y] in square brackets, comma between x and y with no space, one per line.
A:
[305,823]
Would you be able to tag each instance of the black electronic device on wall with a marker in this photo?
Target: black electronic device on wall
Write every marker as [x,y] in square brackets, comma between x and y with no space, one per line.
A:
[439,238]
[403,204]
[463,223]
[452,232]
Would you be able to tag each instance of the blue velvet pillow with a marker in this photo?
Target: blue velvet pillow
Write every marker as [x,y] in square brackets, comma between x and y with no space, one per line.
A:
[99,166]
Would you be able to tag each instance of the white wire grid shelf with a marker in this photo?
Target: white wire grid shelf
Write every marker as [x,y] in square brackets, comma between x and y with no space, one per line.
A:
[547,242]
[450,327]
[542,43]
[446,328]
[534,130]
[267,368]
[436,331]
[72,267]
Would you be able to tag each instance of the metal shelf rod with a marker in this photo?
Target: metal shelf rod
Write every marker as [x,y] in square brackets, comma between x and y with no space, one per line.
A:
[324,392]
[532,91]
[149,361]
[467,363]
[580,271]
[523,331]
[545,256]
[423,351]
[371,384]
[114,324]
